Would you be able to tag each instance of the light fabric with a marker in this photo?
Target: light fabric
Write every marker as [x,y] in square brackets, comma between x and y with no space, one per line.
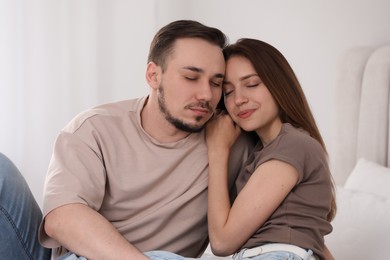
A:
[71,256]
[361,229]
[373,131]
[277,255]
[361,120]
[360,155]
[350,70]
[290,251]
[370,177]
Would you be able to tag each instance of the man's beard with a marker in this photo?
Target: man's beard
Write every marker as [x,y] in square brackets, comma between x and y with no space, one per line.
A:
[176,122]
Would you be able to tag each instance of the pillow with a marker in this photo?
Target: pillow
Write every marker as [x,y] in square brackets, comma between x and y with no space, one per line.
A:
[369,177]
[361,228]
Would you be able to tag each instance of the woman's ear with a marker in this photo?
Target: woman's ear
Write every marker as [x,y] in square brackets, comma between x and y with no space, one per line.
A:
[153,75]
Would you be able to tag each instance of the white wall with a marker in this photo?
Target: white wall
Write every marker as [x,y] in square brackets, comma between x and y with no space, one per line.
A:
[311,34]
[59,58]
[89,52]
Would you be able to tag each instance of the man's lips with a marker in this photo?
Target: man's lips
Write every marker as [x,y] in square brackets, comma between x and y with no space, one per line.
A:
[200,110]
[245,113]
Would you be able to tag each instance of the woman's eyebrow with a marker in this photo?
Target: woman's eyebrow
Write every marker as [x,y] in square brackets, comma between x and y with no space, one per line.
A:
[242,78]
[249,76]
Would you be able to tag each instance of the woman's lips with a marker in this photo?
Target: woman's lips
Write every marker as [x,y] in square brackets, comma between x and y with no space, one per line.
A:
[245,113]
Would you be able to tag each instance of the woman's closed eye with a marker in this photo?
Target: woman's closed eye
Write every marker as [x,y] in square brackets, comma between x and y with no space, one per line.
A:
[227,92]
[216,83]
[253,85]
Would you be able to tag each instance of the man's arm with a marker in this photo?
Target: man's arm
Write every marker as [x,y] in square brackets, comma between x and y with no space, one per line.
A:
[85,232]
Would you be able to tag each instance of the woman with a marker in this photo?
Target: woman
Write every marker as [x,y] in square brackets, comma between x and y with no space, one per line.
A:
[285,198]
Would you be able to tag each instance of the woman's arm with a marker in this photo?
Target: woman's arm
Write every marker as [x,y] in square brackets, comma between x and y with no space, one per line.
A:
[221,133]
[230,226]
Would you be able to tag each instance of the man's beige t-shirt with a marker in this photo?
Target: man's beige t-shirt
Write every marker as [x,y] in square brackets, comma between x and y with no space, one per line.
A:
[154,194]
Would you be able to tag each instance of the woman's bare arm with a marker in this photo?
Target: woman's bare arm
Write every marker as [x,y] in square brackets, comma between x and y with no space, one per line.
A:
[231,225]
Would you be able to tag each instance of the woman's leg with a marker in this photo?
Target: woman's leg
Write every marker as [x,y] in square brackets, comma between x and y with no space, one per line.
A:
[20,216]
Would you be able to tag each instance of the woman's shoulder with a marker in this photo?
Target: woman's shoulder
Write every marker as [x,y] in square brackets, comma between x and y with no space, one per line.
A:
[297,137]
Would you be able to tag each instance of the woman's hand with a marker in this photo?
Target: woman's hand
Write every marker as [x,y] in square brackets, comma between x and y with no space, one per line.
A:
[221,132]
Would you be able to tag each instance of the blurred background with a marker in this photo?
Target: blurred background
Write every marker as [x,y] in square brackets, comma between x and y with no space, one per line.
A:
[60,57]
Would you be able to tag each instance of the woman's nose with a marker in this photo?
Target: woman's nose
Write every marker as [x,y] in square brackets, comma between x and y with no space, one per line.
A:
[240,98]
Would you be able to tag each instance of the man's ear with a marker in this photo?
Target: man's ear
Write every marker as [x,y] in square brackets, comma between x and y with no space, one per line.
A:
[153,75]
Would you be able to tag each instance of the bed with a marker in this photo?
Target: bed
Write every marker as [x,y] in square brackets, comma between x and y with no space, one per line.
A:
[360,155]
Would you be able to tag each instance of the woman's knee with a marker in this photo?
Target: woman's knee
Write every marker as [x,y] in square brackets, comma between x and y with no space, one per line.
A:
[7,167]
[14,189]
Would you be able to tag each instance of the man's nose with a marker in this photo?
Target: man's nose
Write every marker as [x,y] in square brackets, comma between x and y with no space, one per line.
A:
[204,91]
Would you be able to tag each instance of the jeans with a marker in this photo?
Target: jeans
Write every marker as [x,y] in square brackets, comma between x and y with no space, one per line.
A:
[20,216]
[165,255]
[278,255]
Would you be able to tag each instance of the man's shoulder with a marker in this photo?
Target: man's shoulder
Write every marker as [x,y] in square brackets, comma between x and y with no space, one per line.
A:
[239,154]
[128,105]
[241,150]
[107,111]
[244,144]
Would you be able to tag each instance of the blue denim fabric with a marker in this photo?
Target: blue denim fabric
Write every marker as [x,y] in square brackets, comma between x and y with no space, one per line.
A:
[152,255]
[164,255]
[20,216]
[279,255]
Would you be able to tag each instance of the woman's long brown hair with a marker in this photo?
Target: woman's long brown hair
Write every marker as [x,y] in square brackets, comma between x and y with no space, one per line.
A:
[280,79]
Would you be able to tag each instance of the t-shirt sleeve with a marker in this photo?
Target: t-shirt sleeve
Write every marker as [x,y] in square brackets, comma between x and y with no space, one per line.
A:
[76,174]
[296,150]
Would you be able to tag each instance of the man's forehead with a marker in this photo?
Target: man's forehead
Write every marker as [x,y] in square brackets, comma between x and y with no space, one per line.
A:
[195,45]
[197,55]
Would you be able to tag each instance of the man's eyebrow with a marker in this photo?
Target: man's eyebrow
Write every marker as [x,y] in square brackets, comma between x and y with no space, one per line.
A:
[194,69]
[199,70]
[219,75]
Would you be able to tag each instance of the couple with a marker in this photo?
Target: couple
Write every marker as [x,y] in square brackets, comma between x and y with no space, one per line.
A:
[140,175]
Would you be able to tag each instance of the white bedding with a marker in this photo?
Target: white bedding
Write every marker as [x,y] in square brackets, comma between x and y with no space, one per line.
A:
[361,156]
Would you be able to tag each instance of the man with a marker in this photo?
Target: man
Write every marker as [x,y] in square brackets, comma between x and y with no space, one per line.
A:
[131,176]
